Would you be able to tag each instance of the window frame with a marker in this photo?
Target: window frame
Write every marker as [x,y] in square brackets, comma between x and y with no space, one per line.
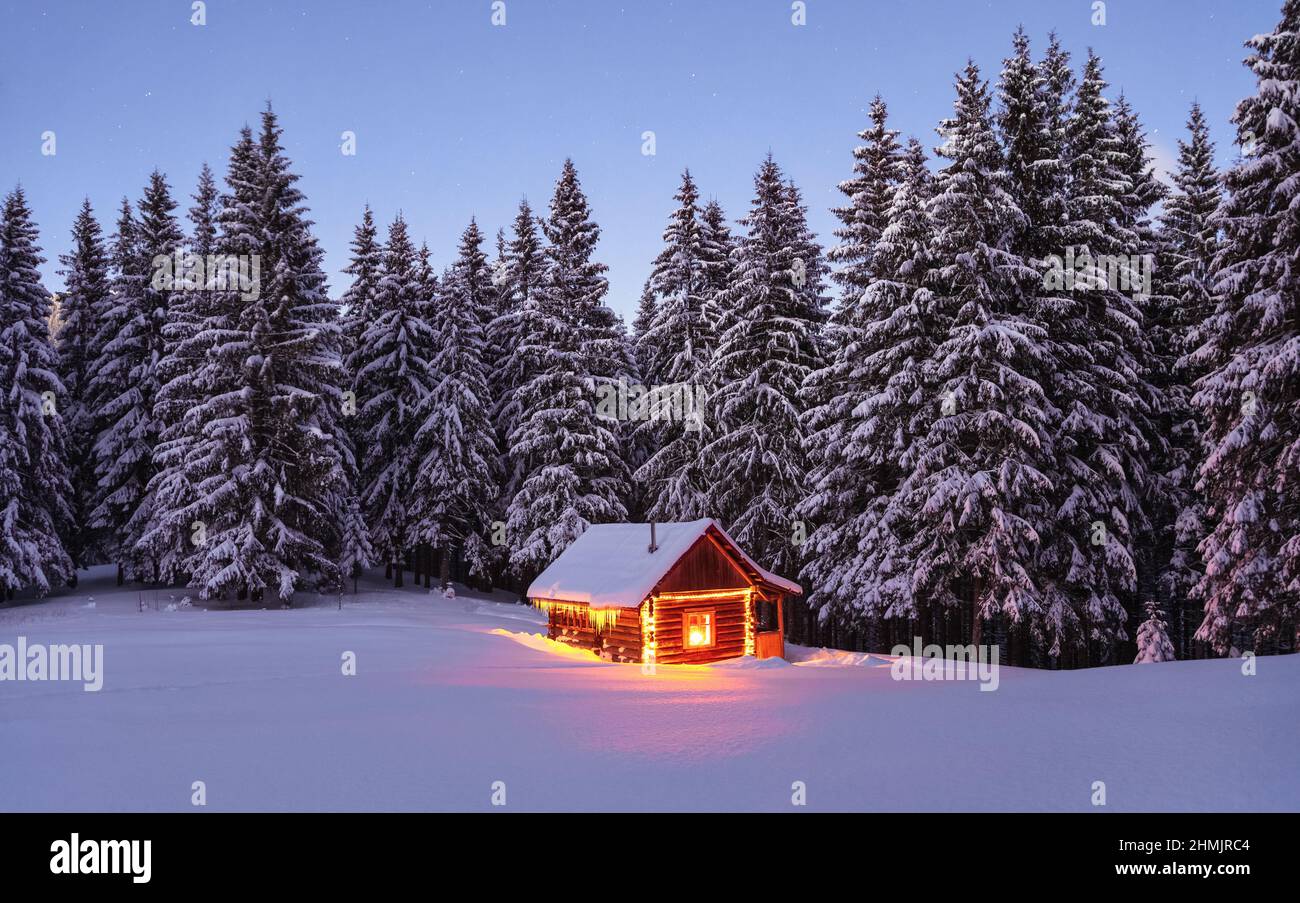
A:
[712,612]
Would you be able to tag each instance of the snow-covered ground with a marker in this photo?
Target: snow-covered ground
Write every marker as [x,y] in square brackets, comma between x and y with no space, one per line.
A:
[452,695]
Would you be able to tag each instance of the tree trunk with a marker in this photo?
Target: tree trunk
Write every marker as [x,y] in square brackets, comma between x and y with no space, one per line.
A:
[444,568]
[976,622]
[397,567]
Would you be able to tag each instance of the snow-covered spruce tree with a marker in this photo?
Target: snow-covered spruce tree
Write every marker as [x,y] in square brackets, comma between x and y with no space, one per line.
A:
[1100,443]
[717,245]
[771,314]
[574,278]
[268,469]
[877,167]
[1030,120]
[674,352]
[1153,637]
[393,383]
[86,291]
[519,283]
[167,538]
[494,356]
[981,482]
[356,551]
[426,278]
[915,170]
[1250,345]
[676,345]
[641,323]
[455,447]
[572,275]
[1152,529]
[861,427]
[1034,105]
[109,380]
[572,467]
[356,314]
[124,448]
[842,489]
[35,488]
[641,443]
[365,267]
[1188,247]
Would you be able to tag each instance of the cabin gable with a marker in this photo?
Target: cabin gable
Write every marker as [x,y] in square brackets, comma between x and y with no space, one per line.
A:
[703,567]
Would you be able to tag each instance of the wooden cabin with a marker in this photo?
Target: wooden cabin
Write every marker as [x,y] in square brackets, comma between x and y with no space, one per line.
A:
[663,593]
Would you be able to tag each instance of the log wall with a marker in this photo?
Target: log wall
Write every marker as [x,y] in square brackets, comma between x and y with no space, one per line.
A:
[728,626]
[620,642]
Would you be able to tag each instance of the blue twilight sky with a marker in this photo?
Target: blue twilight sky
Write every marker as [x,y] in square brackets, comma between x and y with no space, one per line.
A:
[456,117]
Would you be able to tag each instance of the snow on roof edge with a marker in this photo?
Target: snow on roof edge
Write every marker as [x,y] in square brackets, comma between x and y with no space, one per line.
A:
[610,566]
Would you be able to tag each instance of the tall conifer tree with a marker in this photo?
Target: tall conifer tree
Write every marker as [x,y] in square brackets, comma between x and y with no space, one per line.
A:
[34,484]
[1250,346]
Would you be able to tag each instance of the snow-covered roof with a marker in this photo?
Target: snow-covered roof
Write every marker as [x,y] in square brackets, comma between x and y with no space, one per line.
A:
[611,566]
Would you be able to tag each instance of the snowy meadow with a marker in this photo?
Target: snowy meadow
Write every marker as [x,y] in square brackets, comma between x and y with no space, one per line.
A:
[454,699]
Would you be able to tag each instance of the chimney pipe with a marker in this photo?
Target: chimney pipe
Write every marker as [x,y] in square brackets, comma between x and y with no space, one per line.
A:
[653,545]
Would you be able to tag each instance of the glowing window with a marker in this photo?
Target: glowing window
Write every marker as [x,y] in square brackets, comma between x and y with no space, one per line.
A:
[697,629]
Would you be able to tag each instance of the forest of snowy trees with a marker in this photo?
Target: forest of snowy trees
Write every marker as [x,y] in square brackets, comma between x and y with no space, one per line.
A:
[1029,394]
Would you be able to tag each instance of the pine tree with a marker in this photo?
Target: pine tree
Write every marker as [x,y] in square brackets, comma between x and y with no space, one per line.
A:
[717,247]
[1188,244]
[1250,346]
[86,292]
[877,167]
[1032,117]
[456,484]
[1058,86]
[1031,123]
[165,535]
[494,356]
[427,280]
[127,380]
[269,469]
[572,467]
[980,485]
[393,384]
[575,281]
[365,268]
[679,283]
[641,324]
[915,171]
[109,379]
[771,314]
[520,282]
[1153,638]
[1100,474]
[861,424]
[35,488]
[1154,517]
[357,313]
[673,354]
